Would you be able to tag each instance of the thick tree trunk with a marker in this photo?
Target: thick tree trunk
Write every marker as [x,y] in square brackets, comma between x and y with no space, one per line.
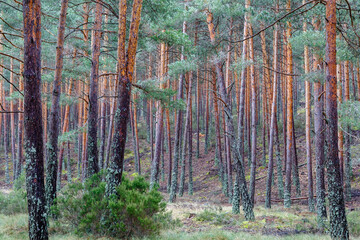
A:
[33,127]
[52,164]
[338,223]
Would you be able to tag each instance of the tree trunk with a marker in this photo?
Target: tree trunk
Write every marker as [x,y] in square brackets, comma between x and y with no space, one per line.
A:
[178,130]
[52,164]
[338,223]
[347,158]
[33,127]
[92,148]
[246,200]
[289,125]
[126,68]
[308,125]
[253,118]
[273,121]
[20,157]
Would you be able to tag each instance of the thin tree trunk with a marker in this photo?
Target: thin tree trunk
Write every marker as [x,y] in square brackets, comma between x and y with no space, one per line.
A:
[52,164]
[347,158]
[253,119]
[178,130]
[20,157]
[92,148]
[289,125]
[308,125]
[246,200]
[273,121]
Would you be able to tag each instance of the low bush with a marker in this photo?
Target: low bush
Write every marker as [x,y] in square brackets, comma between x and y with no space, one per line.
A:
[13,203]
[133,211]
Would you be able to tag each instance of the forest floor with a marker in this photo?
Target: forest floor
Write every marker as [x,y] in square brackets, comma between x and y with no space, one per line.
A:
[207,213]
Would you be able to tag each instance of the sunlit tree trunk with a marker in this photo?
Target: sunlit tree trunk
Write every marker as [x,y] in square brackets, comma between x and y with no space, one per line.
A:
[338,222]
[289,115]
[126,71]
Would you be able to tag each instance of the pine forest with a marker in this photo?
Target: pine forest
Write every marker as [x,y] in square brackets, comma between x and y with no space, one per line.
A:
[169,119]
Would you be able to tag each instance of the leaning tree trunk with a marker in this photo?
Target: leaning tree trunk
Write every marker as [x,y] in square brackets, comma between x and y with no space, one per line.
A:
[246,200]
[52,164]
[338,222]
[34,148]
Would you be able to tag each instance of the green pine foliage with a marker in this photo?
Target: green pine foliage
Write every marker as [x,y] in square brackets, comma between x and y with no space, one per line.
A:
[132,211]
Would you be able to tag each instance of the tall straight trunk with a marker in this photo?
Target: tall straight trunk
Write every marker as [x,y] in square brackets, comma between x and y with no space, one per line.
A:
[217,130]
[358,80]
[126,70]
[6,135]
[253,118]
[12,118]
[110,129]
[240,137]
[178,131]
[92,148]
[347,157]
[154,179]
[186,133]
[319,140]
[273,121]
[168,129]
[135,131]
[79,125]
[246,200]
[197,102]
[34,148]
[85,109]
[340,131]
[65,128]
[103,125]
[289,107]
[207,113]
[338,222]
[52,164]
[20,157]
[190,147]
[308,125]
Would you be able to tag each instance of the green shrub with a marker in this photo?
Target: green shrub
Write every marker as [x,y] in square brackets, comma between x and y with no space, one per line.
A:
[13,203]
[353,222]
[134,211]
